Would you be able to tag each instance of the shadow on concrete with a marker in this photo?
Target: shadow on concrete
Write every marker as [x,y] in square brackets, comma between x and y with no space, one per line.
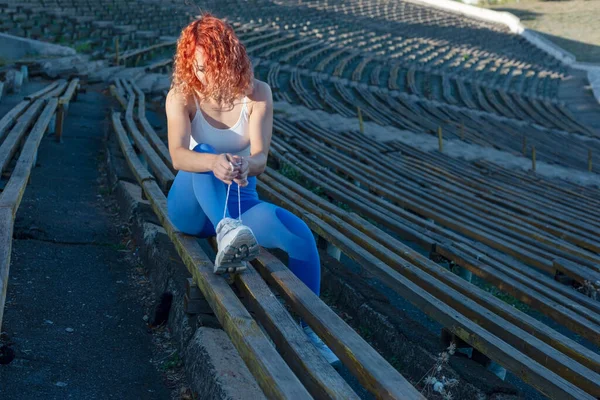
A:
[584,52]
[523,15]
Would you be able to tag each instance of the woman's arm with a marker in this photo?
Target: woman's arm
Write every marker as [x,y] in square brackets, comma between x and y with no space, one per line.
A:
[261,129]
[179,129]
[179,132]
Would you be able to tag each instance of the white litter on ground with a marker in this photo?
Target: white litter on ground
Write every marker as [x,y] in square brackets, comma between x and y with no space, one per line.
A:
[452,147]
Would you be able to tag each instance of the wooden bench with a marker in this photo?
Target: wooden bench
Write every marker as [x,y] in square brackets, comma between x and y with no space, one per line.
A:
[163,174]
[32,119]
[558,249]
[137,54]
[63,106]
[271,371]
[372,208]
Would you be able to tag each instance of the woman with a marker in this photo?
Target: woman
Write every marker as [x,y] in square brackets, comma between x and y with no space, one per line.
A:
[220,122]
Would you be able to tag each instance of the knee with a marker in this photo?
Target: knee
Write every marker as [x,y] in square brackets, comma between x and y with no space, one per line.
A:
[296,226]
[204,148]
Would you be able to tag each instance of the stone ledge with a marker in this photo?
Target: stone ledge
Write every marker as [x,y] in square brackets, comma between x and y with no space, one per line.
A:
[16,47]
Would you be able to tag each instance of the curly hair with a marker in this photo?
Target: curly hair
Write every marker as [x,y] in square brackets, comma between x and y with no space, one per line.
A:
[227,67]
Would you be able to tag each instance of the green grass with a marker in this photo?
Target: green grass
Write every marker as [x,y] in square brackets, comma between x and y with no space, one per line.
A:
[117,246]
[174,361]
[505,297]
[61,39]
[85,47]
[291,172]
[365,333]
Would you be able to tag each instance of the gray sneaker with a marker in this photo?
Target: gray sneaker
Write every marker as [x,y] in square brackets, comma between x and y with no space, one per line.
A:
[322,347]
[236,244]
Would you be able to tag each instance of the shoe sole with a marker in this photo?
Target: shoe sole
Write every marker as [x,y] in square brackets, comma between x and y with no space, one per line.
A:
[231,268]
[233,255]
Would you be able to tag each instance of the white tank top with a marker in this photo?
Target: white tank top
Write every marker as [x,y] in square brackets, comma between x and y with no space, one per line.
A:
[234,140]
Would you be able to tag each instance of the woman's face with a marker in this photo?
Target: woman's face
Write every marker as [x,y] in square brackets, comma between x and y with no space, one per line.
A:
[199,66]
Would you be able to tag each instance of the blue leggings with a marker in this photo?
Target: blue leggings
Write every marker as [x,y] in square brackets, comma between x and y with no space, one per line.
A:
[196,201]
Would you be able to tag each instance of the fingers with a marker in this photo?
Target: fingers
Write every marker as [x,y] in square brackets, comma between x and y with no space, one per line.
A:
[225,173]
[241,182]
[232,168]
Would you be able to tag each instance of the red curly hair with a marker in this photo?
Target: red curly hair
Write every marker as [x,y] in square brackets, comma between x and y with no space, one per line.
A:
[227,67]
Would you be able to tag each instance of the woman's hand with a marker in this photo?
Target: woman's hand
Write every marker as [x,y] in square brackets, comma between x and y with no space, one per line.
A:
[242,178]
[225,168]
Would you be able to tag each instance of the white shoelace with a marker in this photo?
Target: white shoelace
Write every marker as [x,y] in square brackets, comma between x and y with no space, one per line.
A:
[239,203]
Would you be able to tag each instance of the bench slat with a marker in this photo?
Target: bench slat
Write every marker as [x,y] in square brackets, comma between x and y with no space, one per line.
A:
[6,232]
[13,139]
[155,141]
[62,84]
[10,117]
[13,192]
[66,97]
[42,92]
[164,174]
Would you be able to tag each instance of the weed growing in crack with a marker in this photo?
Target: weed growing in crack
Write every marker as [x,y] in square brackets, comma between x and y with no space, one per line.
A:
[435,381]
[590,289]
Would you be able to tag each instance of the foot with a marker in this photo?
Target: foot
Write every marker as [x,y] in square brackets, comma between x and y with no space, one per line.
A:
[322,347]
[236,244]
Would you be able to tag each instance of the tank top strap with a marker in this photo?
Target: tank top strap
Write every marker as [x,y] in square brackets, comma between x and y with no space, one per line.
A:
[245,106]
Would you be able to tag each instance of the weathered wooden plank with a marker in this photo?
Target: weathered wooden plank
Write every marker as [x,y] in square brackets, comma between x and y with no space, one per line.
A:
[506,355]
[71,90]
[117,94]
[6,232]
[11,144]
[155,141]
[60,88]
[141,173]
[42,92]
[163,174]
[133,53]
[272,374]
[484,200]
[14,189]
[369,367]
[569,319]
[10,117]
[338,189]
[532,274]
[578,272]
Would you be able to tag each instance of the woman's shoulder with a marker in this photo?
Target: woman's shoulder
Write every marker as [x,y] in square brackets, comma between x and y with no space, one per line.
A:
[176,96]
[261,92]
[179,101]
